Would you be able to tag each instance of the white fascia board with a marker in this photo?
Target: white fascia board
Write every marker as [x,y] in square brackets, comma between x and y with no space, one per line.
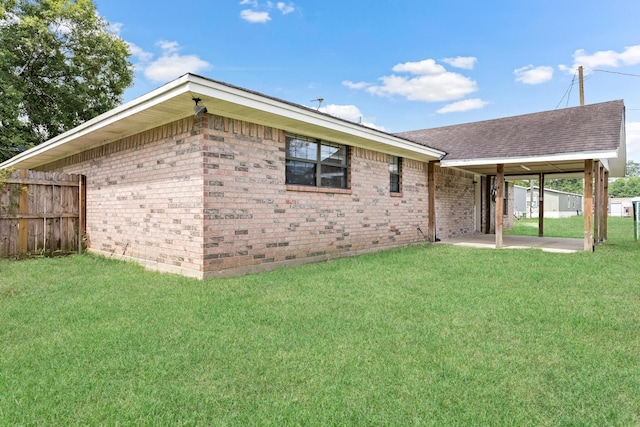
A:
[253,100]
[535,159]
[157,96]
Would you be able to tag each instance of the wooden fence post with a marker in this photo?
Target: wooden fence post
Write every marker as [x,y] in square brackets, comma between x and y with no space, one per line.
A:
[23,209]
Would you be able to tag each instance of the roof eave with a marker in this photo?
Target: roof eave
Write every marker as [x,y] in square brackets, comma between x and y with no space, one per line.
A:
[246,106]
[155,97]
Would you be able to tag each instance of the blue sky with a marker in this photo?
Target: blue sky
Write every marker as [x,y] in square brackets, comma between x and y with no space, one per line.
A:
[396,65]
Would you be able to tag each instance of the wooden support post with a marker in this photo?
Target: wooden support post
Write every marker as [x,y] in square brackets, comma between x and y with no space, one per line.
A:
[588,204]
[499,204]
[431,183]
[541,206]
[596,201]
[601,204]
[605,215]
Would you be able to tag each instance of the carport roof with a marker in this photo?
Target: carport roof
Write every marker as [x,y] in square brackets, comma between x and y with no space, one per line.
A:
[555,141]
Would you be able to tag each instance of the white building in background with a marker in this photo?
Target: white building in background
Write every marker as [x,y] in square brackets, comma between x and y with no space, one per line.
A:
[557,204]
[621,207]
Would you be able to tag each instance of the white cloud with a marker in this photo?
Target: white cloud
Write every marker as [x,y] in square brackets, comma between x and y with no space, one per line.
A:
[260,12]
[115,28]
[431,83]
[349,112]
[424,67]
[168,46]
[604,58]
[255,17]
[140,54]
[465,105]
[169,65]
[633,141]
[533,75]
[285,8]
[465,62]
[353,85]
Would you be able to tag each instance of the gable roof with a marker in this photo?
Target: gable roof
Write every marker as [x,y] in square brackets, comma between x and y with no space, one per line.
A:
[174,101]
[551,141]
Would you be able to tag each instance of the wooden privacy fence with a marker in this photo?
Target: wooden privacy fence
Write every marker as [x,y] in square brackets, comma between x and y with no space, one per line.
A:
[41,213]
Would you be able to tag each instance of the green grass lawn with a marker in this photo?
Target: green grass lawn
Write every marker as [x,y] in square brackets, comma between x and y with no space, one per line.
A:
[565,227]
[428,335]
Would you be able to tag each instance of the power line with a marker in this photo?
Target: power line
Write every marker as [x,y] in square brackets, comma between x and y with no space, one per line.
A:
[567,93]
[616,72]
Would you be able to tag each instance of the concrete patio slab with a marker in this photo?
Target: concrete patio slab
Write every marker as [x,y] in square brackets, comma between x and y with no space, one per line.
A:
[547,244]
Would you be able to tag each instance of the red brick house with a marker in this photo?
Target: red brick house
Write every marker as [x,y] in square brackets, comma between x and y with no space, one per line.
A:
[252,182]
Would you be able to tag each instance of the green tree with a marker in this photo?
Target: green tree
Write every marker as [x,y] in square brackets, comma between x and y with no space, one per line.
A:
[633,168]
[59,66]
[625,187]
[572,185]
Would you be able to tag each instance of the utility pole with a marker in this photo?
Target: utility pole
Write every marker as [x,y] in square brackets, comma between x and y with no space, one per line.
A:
[581,81]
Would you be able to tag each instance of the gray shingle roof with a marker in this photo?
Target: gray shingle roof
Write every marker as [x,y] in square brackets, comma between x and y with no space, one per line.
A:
[590,128]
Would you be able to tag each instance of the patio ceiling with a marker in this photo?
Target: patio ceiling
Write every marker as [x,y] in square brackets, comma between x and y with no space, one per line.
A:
[530,168]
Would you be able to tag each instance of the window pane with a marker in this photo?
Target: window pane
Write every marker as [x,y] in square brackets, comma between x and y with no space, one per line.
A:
[395,184]
[394,165]
[300,173]
[333,176]
[302,149]
[333,154]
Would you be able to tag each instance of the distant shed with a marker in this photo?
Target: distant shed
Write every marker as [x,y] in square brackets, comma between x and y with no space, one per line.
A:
[557,204]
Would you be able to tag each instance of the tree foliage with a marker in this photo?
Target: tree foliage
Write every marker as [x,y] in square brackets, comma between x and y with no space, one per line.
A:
[629,186]
[625,187]
[633,168]
[572,185]
[620,187]
[59,66]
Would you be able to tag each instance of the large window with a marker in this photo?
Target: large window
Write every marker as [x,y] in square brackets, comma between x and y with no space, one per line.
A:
[395,172]
[316,163]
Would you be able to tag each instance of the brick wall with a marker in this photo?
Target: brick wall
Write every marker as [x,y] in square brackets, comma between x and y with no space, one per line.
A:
[209,198]
[455,200]
[144,197]
[256,222]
